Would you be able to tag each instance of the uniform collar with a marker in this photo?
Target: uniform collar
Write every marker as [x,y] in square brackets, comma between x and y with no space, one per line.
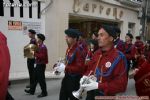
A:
[106,53]
[73,46]
[40,45]
[128,43]
[116,41]
[33,39]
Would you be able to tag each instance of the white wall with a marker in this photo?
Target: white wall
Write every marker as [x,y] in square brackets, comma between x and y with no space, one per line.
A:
[56,23]
[17,39]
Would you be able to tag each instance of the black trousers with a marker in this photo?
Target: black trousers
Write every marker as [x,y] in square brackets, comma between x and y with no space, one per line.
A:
[91,94]
[69,84]
[39,78]
[30,64]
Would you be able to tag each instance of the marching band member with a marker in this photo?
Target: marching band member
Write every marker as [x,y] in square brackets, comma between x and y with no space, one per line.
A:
[74,67]
[139,45]
[41,61]
[92,48]
[118,43]
[31,61]
[82,43]
[142,76]
[95,36]
[129,51]
[109,66]
[139,56]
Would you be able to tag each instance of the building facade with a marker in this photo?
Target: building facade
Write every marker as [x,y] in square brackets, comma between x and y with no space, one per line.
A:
[15,20]
[145,19]
[86,15]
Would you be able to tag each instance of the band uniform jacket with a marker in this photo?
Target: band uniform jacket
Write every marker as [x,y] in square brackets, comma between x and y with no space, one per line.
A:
[4,66]
[114,83]
[75,60]
[130,51]
[119,44]
[142,78]
[41,55]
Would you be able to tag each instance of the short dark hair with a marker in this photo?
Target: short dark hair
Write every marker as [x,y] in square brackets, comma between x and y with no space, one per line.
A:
[95,33]
[41,36]
[130,35]
[32,31]
[74,33]
[118,31]
[110,30]
[138,37]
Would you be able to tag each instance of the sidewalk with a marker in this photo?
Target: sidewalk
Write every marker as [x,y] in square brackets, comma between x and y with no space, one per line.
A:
[25,75]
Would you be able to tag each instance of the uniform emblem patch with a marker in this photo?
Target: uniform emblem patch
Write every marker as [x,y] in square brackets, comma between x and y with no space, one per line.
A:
[108,64]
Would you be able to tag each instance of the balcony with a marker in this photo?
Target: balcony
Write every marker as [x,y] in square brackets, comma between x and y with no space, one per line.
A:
[133,3]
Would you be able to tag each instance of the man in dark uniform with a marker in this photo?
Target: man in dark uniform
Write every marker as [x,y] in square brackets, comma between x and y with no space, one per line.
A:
[74,67]
[31,61]
[118,43]
[108,65]
[41,61]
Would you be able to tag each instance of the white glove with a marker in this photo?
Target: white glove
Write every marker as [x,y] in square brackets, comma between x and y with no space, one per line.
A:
[60,68]
[92,85]
[83,79]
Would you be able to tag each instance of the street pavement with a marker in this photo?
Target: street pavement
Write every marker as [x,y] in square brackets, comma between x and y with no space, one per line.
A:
[53,86]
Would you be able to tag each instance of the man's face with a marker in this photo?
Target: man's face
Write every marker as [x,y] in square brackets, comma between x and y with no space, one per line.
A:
[70,40]
[37,39]
[104,38]
[137,40]
[127,38]
[30,35]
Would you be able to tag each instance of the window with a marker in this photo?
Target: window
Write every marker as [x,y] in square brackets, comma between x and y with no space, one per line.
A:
[21,8]
[30,9]
[11,9]
[39,9]
[131,28]
[1,8]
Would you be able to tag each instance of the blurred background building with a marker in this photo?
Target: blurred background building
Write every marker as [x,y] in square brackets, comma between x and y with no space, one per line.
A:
[145,19]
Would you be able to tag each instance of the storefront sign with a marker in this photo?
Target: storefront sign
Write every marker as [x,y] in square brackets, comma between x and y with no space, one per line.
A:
[94,6]
[14,25]
[76,6]
[87,7]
